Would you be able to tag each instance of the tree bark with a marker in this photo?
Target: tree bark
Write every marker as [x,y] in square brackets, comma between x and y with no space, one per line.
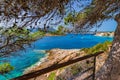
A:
[111,69]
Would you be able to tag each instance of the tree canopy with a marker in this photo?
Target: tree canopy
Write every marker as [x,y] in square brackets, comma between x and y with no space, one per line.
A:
[95,14]
[24,13]
[35,9]
[30,11]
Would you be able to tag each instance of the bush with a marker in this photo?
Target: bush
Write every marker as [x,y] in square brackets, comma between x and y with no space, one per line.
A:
[99,47]
[36,35]
[52,76]
[75,69]
[5,68]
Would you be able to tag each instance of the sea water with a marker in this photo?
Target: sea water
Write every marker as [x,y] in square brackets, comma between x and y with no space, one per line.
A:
[25,58]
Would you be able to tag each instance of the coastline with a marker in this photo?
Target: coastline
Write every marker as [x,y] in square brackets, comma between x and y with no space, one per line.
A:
[63,55]
[37,64]
[54,56]
[50,59]
[105,34]
[49,34]
[57,56]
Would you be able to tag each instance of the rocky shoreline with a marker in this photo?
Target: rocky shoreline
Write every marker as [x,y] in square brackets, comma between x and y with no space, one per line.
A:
[56,56]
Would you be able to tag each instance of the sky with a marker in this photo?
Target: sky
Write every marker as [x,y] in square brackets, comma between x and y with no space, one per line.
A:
[109,25]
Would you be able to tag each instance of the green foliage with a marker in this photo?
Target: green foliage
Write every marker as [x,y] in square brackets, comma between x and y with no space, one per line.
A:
[101,46]
[16,37]
[22,33]
[52,76]
[16,31]
[69,18]
[36,35]
[5,68]
[60,28]
[81,16]
[75,69]
[60,31]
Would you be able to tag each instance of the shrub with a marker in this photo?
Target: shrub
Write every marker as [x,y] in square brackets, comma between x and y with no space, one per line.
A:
[5,68]
[36,35]
[75,69]
[52,76]
[101,46]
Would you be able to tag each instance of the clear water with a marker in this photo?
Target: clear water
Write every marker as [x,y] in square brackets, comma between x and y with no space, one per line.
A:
[23,59]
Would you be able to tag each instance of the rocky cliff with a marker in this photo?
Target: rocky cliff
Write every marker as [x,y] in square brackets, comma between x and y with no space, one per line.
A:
[71,72]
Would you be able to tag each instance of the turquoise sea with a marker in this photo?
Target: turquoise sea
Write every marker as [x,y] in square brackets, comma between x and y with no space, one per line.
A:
[26,58]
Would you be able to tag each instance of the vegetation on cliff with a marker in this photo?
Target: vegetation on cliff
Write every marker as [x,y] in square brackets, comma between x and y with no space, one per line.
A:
[73,71]
[52,76]
[59,31]
[99,47]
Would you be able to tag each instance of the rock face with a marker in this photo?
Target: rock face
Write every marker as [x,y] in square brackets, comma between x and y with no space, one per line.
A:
[74,72]
[55,56]
[71,72]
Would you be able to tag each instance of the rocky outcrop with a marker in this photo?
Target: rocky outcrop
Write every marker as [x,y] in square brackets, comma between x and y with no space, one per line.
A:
[72,72]
[55,56]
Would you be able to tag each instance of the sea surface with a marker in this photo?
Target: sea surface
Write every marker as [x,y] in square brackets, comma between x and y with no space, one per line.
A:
[25,58]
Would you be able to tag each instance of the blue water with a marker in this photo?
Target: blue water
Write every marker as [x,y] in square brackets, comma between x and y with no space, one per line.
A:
[23,59]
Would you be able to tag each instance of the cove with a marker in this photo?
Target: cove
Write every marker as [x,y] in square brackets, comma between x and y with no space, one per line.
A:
[25,58]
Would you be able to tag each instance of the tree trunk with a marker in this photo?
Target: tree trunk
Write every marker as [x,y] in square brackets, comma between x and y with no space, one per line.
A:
[111,69]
